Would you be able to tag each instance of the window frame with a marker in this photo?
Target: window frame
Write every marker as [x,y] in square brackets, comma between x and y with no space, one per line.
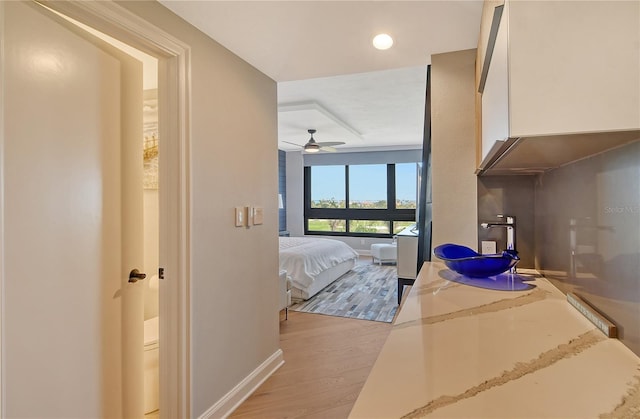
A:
[391,213]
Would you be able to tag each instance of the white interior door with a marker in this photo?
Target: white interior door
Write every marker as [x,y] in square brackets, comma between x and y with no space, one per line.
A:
[72,324]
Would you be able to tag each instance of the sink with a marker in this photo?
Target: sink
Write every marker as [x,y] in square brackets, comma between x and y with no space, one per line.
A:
[470,263]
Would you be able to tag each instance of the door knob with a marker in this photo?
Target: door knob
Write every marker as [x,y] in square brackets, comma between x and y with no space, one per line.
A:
[135,275]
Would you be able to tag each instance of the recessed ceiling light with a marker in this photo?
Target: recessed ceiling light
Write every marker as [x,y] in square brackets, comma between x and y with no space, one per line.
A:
[382,41]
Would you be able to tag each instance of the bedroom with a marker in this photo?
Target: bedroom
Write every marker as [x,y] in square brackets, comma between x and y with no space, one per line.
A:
[382,188]
[386,105]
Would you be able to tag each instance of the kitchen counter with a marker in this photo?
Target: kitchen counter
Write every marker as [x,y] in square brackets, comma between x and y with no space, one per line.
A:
[457,350]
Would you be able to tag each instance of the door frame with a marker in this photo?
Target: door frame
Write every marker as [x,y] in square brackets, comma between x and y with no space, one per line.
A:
[174,122]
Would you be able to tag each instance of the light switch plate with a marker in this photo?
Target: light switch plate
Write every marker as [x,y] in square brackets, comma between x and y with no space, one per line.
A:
[258,215]
[240,216]
[249,215]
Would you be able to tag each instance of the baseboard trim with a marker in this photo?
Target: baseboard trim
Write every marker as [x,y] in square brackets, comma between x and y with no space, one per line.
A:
[234,398]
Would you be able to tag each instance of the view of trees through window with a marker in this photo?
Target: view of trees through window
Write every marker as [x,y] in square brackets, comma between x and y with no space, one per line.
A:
[355,199]
[328,189]
[368,186]
[406,185]
[327,225]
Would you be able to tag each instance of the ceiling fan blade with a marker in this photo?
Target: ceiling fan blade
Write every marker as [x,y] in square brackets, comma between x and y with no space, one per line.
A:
[293,144]
[329,143]
[327,148]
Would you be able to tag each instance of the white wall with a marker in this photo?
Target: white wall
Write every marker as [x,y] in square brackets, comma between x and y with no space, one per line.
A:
[234,300]
[453,148]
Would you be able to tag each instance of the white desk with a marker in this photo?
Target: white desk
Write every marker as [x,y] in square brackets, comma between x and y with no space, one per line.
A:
[407,259]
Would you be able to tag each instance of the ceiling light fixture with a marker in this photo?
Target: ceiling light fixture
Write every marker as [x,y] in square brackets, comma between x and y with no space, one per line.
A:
[311,148]
[382,41]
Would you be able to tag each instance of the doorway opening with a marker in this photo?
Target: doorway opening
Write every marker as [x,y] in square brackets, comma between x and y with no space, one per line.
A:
[151,219]
[149,142]
[174,81]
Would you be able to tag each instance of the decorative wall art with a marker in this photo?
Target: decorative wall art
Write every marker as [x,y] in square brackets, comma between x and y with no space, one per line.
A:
[150,139]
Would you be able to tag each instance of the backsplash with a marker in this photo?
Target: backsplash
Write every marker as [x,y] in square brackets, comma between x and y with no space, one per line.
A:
[508,195]
[587,234]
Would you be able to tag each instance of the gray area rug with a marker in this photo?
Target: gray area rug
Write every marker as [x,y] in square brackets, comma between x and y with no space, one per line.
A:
[368,292]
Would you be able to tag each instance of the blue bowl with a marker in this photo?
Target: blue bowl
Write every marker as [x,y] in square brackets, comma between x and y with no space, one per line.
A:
[467,262]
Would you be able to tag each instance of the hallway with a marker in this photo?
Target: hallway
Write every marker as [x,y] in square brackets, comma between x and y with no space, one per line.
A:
[327,360]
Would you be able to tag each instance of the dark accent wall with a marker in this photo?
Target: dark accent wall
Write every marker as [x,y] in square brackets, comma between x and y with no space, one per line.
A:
[282,189]
[425,204]
[587,235]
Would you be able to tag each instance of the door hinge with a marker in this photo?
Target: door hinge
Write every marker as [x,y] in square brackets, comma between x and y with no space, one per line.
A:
[161,273]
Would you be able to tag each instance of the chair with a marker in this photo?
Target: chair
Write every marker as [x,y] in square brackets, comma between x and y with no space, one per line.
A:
[384,252]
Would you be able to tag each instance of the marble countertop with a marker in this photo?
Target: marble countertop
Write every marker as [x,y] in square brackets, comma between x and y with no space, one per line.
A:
[462,351]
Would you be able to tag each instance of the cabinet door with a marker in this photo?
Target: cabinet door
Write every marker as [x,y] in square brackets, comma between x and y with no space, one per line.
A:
[72,184]
[495,97]
[573,67]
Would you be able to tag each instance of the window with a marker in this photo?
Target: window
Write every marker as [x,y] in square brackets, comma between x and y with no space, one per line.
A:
[368,186]
[406,185]
[369,226]
[328,187]
[398,226]
[315,224]
[377,200]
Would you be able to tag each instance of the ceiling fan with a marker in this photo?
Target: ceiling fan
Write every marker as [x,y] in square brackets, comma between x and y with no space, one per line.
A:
[312,146]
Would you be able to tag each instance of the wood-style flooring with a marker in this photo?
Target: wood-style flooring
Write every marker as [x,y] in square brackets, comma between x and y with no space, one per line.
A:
[327,360]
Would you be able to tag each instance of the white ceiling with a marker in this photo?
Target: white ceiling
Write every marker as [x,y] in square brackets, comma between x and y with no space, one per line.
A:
[329,76]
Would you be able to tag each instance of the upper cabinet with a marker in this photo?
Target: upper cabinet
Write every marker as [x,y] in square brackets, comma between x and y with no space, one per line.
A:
[560,80]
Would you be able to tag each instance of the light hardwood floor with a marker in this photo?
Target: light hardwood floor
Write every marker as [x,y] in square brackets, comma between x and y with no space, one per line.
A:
[327,360]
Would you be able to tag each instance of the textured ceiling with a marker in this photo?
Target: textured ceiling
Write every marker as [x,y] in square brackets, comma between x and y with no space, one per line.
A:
[385,108]
[320,54]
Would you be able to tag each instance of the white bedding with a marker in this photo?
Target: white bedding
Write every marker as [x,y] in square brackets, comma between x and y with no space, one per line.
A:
[304,258]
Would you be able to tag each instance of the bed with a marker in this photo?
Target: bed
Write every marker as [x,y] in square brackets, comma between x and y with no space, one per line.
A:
[313,263]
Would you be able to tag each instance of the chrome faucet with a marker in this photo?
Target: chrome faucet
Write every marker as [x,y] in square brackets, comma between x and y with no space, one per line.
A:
[510,225]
